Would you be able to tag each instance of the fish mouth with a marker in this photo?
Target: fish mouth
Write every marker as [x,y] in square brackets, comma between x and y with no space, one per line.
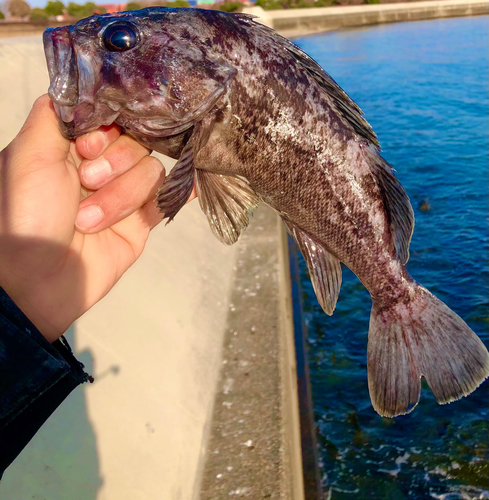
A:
[72,83]
[63,71]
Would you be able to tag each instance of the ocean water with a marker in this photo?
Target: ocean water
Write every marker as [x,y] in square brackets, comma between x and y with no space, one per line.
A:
[423,86]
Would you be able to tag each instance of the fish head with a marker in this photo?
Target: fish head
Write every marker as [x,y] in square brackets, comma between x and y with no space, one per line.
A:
[148,71]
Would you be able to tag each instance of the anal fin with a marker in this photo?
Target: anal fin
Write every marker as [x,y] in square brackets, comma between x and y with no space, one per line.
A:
[227,202]
[324,268]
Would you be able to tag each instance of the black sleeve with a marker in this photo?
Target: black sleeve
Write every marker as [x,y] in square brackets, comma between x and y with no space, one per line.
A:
[35,377]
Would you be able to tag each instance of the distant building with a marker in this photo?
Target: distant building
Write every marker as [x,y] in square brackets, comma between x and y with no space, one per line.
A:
[217,2]
[114,7]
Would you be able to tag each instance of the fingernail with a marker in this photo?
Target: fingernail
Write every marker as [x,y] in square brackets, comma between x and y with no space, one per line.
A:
[95,142]
[89,217]
[97,172]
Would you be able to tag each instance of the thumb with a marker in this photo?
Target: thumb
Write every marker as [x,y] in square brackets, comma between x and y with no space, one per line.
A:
[35,172]
[40,143]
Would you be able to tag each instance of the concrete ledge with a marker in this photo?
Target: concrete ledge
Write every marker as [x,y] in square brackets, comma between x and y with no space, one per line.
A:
[254,450]
[299,22]
[20,28]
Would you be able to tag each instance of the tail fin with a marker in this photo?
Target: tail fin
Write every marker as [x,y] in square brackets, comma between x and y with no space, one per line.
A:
[421,338]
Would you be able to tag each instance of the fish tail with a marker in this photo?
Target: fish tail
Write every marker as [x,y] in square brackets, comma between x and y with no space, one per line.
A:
[421,337]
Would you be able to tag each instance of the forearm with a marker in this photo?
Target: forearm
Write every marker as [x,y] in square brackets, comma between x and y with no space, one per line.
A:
[35,377]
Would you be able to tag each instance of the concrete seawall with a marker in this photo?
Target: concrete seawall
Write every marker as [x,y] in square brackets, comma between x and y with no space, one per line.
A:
[299,22]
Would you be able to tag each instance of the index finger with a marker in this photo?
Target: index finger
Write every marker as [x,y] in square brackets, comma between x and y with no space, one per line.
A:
[93,144]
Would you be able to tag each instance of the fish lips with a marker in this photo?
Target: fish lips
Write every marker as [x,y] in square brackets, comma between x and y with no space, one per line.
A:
[75,111]
[62,66]
[63,74]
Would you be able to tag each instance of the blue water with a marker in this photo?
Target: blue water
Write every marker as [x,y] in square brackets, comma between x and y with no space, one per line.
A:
[424,88]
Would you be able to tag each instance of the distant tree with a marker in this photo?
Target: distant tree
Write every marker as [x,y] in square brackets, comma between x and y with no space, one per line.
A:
[90,7]
[54,8]
[230,6]
[19,8]
[38,14]
[1,15]
[80,11]
[74,9]
[133,6]
[178,3]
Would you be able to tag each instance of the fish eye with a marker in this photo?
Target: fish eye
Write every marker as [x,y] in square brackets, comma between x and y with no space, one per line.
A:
[119,37]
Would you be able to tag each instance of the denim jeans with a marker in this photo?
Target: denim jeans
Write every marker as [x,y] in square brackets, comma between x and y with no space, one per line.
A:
[35,377]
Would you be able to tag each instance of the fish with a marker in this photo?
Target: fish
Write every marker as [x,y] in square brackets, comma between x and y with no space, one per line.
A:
[251,118]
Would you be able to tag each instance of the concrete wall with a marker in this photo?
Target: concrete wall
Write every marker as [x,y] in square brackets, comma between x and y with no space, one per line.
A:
[299,22]
[20,28]
[154,346]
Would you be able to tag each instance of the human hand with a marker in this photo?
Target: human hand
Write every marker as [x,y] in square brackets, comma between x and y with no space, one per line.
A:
[59,254]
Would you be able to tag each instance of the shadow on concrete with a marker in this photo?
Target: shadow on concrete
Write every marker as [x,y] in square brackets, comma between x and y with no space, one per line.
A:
[61,461]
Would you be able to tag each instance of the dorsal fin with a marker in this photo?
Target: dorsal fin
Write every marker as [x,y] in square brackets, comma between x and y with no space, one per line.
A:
[398,207]
[350,111]
[345,105]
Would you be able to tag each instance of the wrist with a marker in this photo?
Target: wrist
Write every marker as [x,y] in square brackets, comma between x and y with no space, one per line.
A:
[33,310]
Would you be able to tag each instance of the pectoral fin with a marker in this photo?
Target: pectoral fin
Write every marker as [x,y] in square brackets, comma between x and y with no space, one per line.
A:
[227,202]
[179,184]
[324,268]
[176,190]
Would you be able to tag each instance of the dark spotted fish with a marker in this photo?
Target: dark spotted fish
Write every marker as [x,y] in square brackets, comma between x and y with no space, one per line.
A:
[250,117]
